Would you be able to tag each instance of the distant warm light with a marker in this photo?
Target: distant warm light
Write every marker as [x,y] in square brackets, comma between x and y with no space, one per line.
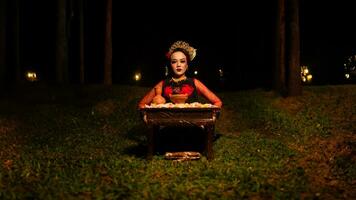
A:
[31,76]
[195,72]
[137,76]
[221,73]
[350,68]
[305,74]
[309,77]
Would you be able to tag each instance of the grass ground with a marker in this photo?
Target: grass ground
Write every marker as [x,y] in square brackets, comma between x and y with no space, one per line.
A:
[89,143]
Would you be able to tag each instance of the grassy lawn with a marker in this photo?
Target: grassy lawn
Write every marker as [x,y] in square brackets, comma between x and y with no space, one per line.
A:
[89,143]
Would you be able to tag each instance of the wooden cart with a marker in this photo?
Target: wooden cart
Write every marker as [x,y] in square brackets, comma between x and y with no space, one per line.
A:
[204,118]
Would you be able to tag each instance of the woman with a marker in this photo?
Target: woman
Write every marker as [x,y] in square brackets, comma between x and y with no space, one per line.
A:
[180,55]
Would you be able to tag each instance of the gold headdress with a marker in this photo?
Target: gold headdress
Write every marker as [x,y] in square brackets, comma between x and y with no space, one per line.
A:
[182,45]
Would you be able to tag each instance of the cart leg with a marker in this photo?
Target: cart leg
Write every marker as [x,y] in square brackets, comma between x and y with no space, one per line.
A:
[209,142]
[151,141]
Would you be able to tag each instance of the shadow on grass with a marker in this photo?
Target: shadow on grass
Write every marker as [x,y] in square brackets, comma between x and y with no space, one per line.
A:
[167,139]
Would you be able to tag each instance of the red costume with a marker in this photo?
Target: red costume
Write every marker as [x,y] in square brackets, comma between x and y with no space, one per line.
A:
[191,86]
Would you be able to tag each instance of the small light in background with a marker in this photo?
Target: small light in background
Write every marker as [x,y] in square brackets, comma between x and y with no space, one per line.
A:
[31,76]
[195,72]
[309,77]
[305,74]
[304,79]
[137,76]
[221,73]
[350,68]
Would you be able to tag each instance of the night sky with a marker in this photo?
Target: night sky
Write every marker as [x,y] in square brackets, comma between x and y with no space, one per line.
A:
[237,37]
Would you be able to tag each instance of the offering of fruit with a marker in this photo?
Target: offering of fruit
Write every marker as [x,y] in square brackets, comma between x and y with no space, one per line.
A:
[178,98]
[184,105]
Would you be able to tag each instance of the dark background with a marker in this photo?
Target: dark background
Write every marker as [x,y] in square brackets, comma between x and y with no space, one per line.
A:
[237,37]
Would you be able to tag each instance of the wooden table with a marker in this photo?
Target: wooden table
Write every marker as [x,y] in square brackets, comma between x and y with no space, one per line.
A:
[201,117]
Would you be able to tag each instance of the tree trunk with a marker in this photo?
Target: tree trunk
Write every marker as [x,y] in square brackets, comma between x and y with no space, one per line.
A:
[17,60]
[287,73]
[2,40]
[108,45]
[279,77]
[81,41]
[61,44]
[294,81]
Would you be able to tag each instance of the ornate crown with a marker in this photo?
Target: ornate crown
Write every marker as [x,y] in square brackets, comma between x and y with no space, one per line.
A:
[182,45]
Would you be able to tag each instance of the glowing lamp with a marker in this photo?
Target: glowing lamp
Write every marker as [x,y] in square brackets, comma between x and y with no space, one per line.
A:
[305,74]
[350,67]
[31,76]
[221,73]
[309,77]
[137,76]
